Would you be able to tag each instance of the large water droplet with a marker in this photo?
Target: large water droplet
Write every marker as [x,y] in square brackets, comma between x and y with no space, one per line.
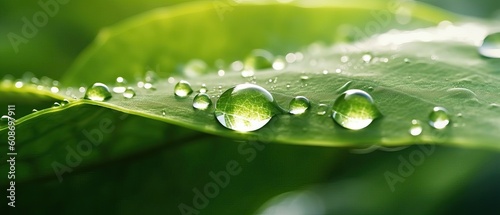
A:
[202,101]
[245,107]
[120,85]
[129,93]
[183,89]
[439,118]
[416,128]
[354,109]
[299,105]
[98,92]
[491,46]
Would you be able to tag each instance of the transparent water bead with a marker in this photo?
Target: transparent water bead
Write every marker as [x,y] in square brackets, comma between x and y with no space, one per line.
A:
[120,85]
[245,107]
[415,128]
[354,109]
[491,46]
[129,93]
[183,89]
[439,118]
[201,101]
[299,105]
[98,92]
[322,108]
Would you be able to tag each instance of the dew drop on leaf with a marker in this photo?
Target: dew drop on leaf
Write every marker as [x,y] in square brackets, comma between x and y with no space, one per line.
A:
[203,89]
[56,104]
[34,110]
[366,58]
[64,102]
[183,89]
[245,107]
[322,108]
[129,93]
[439,118]
[491,46]
[98,92]
[120,85]
[299,105]
[201,101]
[354,109]
[415,128]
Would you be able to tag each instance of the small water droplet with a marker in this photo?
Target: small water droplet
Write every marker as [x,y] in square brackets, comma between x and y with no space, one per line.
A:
[288,85]
[183,89]
[54,89]
[415,128]
[279,64]
[258,59]
[245,107]
[491,46]
[120,85]
[98,92]
[344,59]
[299,105]
[56,104]
[82,89]
[163,112]
[34,110]
[322,108]
[304,77]
[202,101]
[407,60]
[149,86]
[439,118]
[325,72]
[64,102]
[129,93]
[366,58]
[354,109]
[203,89]
[19,84]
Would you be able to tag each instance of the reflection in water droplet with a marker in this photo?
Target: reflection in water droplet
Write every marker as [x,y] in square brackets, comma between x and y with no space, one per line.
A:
[120,85]
[201,101]
[439,118]
[98,92]
[491,46]
[129,93]
[299,105]
[354,109]
[416,127]
[183,89]
[245,107]
[322,108]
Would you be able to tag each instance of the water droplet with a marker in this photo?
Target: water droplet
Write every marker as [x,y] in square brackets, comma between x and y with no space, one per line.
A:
[299,105]
[140,84]
[279,64]
[304,77]
[81,89]
[19,84]
[183,89]
[202,101]
[439,118]
[56,104]
[366,58]
[120,85]
[416,127]
[129,93]
[491,46]
[4,118]
[344,59]
[34,110]
[203,89]
[245,107]
[322,108]
[258,59]
[98,92]
[149,86]
[64,102]
[195,67]
[163,112]
[54,89]
[407,60]
[354,109]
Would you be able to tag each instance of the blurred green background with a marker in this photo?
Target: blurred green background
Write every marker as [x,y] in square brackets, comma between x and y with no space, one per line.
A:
[56,45]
